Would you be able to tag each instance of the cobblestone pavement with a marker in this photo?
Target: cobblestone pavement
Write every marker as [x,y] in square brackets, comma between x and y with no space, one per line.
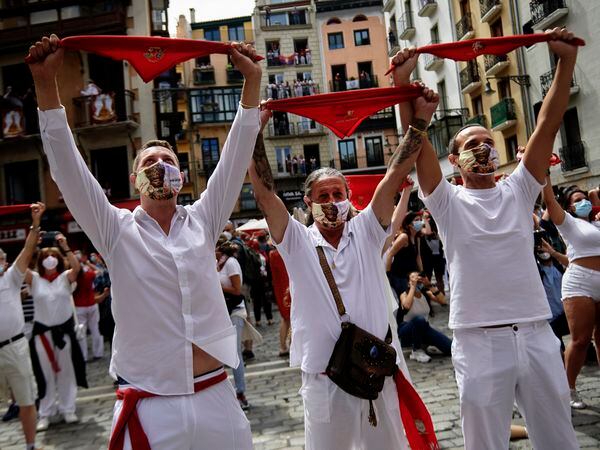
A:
[276,415]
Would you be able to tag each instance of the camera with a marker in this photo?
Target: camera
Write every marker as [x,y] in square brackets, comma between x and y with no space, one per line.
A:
[49,239]
[538,235]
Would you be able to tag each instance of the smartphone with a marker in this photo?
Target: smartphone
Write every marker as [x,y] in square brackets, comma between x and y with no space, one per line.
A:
[49,239]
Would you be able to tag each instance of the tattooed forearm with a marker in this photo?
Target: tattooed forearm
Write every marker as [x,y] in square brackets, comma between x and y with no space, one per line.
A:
[261,163]
[410,145]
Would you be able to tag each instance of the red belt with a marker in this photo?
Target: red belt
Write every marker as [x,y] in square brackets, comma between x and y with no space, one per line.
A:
[129,417]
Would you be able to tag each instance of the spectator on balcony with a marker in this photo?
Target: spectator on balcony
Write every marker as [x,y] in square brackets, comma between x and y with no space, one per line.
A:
[268,16]
[296,58]
[303,56]
[311,87]
[270,57]
[295,165]
[308,54]
[312,164]
[392,38]
[302,165]
[580,229]
[364,79]
[91,89]
[298,89]
[337,82]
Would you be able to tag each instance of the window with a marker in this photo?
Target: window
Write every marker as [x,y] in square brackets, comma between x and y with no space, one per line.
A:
[511,144]
[214,105]
[210,155]
[366,78]
[212,34]
[297,17]
[435,34]
[284,160]
[236,33]
[504,88]
[361,37]
[336,40]
[441,89]
[374,149]
[22,182]
[247,200]
[496,28]
[334,21]
[279,19]
[49,15]
[110,167]
[359,18]
[477,105]
[347,150]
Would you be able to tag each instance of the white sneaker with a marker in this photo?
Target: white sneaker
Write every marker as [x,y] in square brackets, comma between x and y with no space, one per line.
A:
[576,401]
[420,356]
[43,424]
[71,418]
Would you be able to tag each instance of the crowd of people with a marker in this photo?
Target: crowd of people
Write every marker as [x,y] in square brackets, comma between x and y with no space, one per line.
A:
[299,88]
[301,56]
[512,288]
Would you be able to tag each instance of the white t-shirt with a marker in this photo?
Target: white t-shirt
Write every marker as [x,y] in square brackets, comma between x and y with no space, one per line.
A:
[230,268]
[357,268]
[12,320]
[53,304]
[488,240]
[419,308]
[581,236]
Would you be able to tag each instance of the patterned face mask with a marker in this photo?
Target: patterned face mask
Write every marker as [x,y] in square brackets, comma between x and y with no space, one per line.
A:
[482,160]
[160,181]
[331,215]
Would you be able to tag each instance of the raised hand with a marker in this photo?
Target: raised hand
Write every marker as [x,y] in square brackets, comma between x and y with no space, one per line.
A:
[426,105]
[560,45]
[61,240]
[265,114]
[37,211]
[242,57]
[404,63]
[45,58]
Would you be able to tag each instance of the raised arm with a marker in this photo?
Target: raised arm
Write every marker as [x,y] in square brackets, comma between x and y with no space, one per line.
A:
[74,264]
[403,159]
[557,214]
[24,257]
[539,146]
[261,177]
[399,214]
[428,166]
[82,194]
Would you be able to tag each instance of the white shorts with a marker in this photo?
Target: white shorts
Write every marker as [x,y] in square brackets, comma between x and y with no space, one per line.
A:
[16,373]
[581,282]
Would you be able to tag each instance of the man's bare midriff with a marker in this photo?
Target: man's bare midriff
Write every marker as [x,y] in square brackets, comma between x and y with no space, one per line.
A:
[589,262]
[203,362]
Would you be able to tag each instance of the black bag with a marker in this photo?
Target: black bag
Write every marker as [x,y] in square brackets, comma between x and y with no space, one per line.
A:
[360,361]
[232,301]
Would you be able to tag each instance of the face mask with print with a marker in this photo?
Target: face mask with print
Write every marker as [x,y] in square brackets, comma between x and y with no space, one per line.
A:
[2,269]
[331,215]
[544,256]
[418,225]
[50,262]
[481,160]
[160,181]
[583,208]
[228,235]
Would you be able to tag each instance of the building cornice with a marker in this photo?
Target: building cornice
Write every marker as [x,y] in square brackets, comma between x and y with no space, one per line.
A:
[220,22]
[339,5]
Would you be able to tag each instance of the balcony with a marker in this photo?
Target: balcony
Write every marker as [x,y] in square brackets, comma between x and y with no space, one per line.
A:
[91,20]
[105,110]
[546,81]
[469,78]
[490,9]
[573,157]
[464,28]
[349,85]
[300,89]
[288,20]
[393,44]
[495,64]
[428,7]
[285,130]
[433,62]
[386,118]
[504,115]
[406,27]
[204,75]
[388,5]
[480,119]
[445,123]
[545,13]
[234,76]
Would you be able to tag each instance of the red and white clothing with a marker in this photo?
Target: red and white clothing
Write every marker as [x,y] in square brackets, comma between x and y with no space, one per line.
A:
[166,293]
[88,313]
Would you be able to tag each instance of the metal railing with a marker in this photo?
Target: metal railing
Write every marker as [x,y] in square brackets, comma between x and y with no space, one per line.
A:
[491,60]
[204,75]
[284,129]
[481,119]
[425,6]
[463,26]
[298,18]
[348,85]
[234,76]
[406,25]
[503,111]
[573,156]
[469,74]
[109,107]
[486,5]
[292,90]
[546,81]
[540,9]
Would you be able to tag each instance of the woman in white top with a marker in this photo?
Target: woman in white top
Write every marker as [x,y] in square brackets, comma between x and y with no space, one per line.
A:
[581,281]
[56,356]
[230,275]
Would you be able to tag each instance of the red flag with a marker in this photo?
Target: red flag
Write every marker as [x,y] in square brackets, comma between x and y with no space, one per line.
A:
[472,48]
[150,56]
[14,209]
[342,112]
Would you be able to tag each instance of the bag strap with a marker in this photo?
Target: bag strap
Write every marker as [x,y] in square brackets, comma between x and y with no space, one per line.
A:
[331,281]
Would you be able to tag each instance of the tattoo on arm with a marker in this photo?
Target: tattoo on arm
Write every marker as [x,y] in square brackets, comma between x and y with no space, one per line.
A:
[261,163]
[411,143]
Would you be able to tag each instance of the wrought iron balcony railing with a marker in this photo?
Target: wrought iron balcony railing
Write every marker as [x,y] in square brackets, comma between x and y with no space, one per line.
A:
[546,81]
[481,119]
[487,5]
[406,27]
[204,75]
[427,8]
[573,156]
[469,74]
[464,26]
[492,60]
[541,10]
[503,111]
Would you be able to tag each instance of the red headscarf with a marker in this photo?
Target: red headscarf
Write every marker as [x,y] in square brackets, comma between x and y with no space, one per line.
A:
[472,48]
[150,56]
[342,112]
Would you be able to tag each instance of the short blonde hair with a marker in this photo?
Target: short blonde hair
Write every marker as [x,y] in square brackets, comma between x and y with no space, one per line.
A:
[153,143]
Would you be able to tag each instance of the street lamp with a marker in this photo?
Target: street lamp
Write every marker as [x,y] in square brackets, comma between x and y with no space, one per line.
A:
[521,80]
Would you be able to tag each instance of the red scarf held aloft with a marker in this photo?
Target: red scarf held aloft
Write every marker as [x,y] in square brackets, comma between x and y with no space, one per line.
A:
[150,56]
[363,188]
[472,48]
[342,112]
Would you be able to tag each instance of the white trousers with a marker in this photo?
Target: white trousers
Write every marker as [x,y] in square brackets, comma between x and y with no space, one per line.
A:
[207,420]
[61,387]
[90,317]
[335,420]
[495,366]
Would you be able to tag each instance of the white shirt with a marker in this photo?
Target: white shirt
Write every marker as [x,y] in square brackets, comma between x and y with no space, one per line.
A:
[52,299]
[581,236]
[419,308]
[12,320]
[357,269]
[488,240]
[166,293]
[230,268]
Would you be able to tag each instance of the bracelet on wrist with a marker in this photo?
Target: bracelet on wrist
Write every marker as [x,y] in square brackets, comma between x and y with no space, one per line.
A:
[245,106]
[416,130]
[36,228]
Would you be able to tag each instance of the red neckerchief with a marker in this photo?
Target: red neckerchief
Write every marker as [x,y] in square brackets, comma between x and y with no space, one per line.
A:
[342,112]
[472,48]
[150,56]
[51,277]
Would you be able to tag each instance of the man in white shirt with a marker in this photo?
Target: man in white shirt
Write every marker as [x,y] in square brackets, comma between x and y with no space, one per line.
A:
[503,347]
[335,419]
[16,371]
[173,333]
